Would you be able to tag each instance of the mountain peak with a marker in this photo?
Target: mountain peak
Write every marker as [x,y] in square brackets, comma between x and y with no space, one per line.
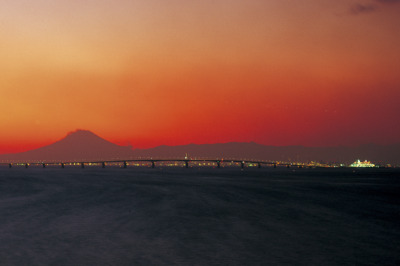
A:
[81,138]
[82,135]
[81,132]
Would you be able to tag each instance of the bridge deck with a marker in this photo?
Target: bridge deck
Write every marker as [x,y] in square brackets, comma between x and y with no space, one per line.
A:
[153,162]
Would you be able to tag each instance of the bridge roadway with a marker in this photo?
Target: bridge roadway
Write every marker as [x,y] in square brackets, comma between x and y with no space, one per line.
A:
[153,162]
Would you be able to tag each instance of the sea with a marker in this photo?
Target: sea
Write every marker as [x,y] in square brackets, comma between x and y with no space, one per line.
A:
[199,216]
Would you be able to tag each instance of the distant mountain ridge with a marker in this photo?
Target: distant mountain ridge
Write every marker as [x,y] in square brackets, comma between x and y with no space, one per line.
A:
[376,153]
[83,145]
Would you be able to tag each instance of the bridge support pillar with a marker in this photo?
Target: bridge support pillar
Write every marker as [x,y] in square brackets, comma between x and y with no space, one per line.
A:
[153,164]
[10,165]
[82,165]
[44,165]
[187,164]
[62,165]
[242,164]
[125,164]
[218,164]
[259,165]
[103,165]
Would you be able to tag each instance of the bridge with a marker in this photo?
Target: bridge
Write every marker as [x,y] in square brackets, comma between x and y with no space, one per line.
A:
[155,162]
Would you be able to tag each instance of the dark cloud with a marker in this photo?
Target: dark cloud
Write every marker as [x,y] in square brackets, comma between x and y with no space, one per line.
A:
[361,8]
[388,1]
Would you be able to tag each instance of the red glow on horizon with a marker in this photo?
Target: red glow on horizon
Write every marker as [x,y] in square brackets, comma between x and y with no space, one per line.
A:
[157,73]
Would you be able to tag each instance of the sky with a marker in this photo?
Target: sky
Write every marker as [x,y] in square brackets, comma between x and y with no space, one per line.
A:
[149,73]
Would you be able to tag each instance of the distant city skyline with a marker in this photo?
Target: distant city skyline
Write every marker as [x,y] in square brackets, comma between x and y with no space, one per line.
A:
[149,73]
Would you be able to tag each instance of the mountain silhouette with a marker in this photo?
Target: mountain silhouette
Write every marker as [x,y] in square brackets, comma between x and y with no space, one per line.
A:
[83,145]
[80,145]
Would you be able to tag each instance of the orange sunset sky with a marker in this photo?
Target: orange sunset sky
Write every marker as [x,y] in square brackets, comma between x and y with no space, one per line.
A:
[147,73]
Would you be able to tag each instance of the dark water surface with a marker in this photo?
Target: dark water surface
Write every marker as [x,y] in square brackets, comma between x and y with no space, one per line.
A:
[131,216]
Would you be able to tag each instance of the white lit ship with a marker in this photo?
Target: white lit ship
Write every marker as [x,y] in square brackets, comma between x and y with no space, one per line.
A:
[365,163]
